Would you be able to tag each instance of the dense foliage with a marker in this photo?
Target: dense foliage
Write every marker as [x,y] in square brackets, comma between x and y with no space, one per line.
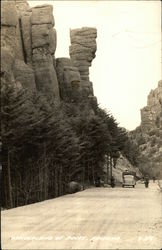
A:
[45,145]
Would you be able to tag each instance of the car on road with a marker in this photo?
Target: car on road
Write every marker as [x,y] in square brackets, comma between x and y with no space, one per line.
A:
[128,179]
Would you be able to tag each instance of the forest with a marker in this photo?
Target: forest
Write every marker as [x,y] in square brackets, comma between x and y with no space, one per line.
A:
[47,145]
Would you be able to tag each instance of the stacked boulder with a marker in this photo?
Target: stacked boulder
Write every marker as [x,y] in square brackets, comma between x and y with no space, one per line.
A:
[82,52]
[69,80]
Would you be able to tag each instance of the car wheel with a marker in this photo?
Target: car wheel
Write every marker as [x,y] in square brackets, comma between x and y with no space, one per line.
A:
[133,186]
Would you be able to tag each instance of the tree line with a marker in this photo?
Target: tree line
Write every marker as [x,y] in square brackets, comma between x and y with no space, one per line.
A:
[46,145]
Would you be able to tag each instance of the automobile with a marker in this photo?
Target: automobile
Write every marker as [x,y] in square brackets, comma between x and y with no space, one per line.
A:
[128,180]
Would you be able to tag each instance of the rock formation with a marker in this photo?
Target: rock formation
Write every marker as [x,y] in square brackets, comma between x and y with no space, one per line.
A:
[8,36]
[151,115]
[28,41]
[148,136]
[43,46]
[69,79]
[82,52]
[29,44]
[13,64]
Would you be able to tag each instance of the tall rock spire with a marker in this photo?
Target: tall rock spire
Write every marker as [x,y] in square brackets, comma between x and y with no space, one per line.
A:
[82,52]
[43,46]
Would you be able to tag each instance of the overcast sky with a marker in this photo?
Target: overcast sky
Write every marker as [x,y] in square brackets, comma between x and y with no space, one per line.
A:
[128,58]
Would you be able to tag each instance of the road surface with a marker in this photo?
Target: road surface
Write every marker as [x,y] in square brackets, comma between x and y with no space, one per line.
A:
[97,218]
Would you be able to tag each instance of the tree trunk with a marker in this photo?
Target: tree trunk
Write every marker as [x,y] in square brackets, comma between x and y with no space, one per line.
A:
[56,182]
[10,202]
[83,176]
[4,185]
[107,164]
[60,180]
[45,174]
[93,175]
[110,167]
[88,173]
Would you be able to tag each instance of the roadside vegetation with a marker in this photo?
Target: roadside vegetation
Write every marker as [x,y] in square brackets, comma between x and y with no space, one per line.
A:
[46,145]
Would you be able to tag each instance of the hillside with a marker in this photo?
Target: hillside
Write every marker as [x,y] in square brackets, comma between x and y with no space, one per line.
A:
[148,136]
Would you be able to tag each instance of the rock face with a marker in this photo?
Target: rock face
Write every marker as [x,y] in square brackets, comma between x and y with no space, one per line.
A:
[43,45]
[13,65]
[69,79]
[21,6]
[24,75]
[28,46]
[9,39]
[82,52]
[29,40]
[148,135]
[151,115]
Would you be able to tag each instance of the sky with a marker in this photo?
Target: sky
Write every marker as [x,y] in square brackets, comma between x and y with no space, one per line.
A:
[128,57]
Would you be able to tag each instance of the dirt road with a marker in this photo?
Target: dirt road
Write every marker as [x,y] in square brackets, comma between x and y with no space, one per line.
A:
[98,218]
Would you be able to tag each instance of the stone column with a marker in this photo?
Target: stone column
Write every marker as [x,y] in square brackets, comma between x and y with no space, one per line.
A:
[82,52]
[43,46]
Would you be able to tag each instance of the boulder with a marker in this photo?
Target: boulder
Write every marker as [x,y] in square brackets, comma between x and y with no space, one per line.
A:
[72,74]
[40,35]
[7,59]
[22,6]
[8,38]
[44,34]
[69,79]
[85,32]
[7,62]
[24,74]
[8,14]
[45,74]
[87,88]
[11,29]
[42,14]
[74,187]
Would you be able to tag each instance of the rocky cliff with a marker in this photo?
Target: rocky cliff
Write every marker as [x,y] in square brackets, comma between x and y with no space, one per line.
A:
[148,136]
[29,40]
[151,115]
